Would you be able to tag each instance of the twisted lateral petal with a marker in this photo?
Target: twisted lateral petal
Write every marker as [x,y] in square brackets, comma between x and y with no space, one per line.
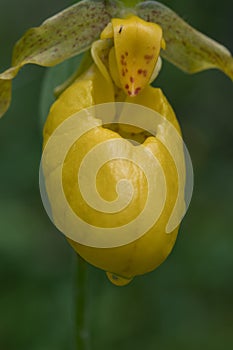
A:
[60,37]
[187,48]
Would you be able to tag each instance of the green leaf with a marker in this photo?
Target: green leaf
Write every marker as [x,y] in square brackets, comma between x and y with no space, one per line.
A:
[187,48]
[60,37]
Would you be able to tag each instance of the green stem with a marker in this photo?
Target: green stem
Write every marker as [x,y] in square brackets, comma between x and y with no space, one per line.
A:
[82,333]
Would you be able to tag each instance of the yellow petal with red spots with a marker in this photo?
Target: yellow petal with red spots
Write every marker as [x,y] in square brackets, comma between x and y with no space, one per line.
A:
[137,46]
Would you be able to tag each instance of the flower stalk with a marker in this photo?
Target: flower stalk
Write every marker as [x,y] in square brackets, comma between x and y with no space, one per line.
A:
[82,332]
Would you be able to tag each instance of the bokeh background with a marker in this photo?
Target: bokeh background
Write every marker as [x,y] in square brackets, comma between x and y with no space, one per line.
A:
[187,302]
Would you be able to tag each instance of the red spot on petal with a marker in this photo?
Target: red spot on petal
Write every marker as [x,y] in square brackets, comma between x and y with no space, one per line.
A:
[131,79]
[122,57]
[126,53]
[126,86]
[148,57]
[129,93]
[140,71]
[137,90]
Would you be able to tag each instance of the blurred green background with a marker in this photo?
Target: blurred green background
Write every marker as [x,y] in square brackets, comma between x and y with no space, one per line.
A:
[187,302]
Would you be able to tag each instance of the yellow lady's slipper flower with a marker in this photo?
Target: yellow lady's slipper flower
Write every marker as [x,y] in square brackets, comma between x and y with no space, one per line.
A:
[123,79]
[122,121]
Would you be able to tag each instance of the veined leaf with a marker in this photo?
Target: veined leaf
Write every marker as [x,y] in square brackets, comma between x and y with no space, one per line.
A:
[187,48]
[60,37]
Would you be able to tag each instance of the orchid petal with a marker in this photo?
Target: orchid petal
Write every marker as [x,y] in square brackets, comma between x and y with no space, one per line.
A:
[186,47]
[60,37]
